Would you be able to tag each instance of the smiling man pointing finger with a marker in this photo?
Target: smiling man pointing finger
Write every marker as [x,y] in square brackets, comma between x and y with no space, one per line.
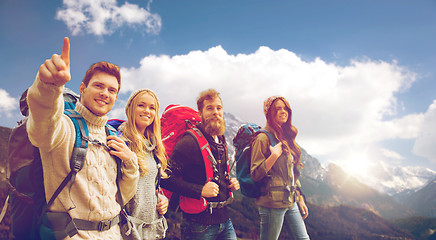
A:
[90,203]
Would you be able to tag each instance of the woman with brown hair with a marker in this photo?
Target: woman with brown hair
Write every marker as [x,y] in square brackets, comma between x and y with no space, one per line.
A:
[276,169]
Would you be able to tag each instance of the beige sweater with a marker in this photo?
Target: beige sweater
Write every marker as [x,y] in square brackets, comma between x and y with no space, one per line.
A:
[94,190]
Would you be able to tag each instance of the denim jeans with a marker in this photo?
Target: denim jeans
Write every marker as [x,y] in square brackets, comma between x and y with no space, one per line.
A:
[197,231]
[271,221]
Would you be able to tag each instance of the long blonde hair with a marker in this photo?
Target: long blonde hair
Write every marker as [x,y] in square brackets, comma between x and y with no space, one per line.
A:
[135,138]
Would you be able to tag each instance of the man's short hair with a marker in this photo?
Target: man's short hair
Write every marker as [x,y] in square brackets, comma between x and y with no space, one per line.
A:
[104,67]
[210,95]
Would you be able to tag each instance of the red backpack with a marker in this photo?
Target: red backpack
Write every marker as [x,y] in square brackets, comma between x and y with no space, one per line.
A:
[176,121]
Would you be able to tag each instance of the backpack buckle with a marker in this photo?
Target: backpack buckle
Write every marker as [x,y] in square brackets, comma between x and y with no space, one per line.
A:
[104,225]
[78,159]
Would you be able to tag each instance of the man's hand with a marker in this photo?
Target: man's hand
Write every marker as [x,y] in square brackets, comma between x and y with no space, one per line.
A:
[56,71]
[210,189]
[119,148]
[234,184]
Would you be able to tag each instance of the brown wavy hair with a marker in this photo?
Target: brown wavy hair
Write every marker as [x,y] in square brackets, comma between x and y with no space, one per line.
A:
[209,94]
[285,133]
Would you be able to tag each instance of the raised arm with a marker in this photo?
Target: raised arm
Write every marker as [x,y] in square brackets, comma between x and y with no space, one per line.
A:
[45,100]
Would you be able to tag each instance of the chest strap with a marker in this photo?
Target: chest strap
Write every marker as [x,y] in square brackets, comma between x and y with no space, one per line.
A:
[95,226]
[62,225]
[213,205]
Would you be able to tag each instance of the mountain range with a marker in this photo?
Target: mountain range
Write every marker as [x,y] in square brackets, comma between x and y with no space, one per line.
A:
[395,186]
[341,206]
[394,193]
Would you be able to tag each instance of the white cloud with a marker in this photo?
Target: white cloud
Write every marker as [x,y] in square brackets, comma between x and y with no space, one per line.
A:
[391,154]
[333,106]
[7,103]
[103,17]
[425,143]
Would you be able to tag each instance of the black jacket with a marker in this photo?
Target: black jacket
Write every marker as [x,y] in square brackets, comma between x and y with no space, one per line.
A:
[187,175]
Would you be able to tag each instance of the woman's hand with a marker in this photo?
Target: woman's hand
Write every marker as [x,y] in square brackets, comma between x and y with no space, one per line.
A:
[162,203]
[234,184]
[277,150]
[303,208]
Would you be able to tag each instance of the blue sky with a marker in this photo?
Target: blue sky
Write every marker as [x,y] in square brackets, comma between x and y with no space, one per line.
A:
[360,75]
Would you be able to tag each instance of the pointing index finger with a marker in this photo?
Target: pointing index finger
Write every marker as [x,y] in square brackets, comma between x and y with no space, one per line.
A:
[66,51]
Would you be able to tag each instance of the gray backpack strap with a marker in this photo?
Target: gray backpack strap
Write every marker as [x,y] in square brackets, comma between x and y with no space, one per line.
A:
[77,158]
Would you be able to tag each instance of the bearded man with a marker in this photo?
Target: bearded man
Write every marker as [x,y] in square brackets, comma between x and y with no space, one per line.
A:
[187,174]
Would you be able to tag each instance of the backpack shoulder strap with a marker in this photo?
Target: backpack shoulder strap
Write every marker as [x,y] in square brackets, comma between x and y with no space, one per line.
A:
[272,139]
[206,152]
[159,175]
[210,167]
[82,132]
[111,131]
[81,143]
[78,156]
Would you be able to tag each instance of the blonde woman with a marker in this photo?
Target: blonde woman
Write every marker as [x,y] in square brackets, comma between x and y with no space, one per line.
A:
[142,134]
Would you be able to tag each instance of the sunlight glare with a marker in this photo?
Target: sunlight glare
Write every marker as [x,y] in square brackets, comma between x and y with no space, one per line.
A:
[357,166]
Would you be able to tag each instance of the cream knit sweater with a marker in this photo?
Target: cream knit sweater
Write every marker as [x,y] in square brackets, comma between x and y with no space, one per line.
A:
[94,190]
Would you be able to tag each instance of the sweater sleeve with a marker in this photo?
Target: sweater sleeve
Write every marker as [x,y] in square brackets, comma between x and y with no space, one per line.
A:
[259,153]
[45,122]
[129,180]
[186,172]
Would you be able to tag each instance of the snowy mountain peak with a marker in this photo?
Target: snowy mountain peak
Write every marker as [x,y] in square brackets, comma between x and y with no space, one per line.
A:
[386,179]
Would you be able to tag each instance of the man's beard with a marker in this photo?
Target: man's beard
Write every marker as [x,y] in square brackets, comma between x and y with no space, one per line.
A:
[213,127]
